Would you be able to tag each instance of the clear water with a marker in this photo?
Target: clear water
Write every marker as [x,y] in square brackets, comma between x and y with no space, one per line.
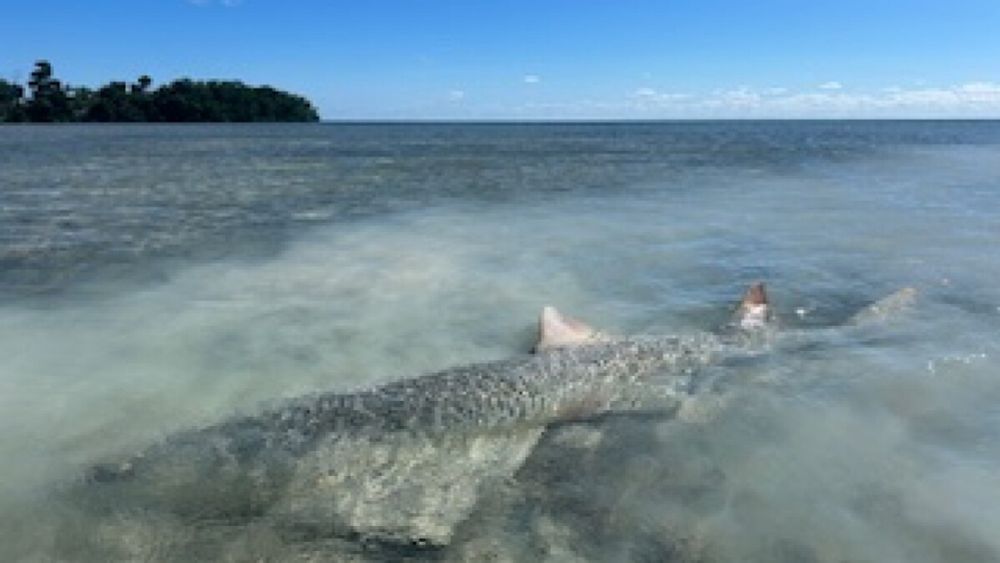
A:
[160,278]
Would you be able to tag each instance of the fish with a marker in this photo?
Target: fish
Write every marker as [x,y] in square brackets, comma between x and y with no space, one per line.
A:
[407,461]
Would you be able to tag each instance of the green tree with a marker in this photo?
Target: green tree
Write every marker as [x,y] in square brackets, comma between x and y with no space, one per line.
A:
[181,100]
[11,102]
[80,100]
[49,101]
[142,84]
[114,102]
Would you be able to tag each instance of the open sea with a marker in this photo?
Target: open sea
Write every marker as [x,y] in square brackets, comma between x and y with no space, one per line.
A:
[161,278]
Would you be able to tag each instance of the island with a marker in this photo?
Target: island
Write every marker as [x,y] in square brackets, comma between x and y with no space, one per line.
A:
[48,100]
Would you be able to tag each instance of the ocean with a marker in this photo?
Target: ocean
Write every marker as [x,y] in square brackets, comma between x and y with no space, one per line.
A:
[161,278]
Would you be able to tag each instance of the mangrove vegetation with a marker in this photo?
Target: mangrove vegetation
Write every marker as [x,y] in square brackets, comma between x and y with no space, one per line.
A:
[47,100]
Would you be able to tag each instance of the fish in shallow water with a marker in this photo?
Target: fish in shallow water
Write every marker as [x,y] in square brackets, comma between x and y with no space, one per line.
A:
[406,462]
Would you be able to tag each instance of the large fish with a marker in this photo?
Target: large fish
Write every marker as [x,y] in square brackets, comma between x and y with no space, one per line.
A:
[407,461]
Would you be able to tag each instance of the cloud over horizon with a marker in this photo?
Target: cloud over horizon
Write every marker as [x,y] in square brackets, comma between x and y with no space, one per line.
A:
[969,99]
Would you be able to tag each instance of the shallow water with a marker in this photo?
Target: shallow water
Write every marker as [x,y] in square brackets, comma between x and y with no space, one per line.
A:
[162,278]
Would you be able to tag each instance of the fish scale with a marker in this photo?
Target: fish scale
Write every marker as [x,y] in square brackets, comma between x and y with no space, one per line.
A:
[395,451]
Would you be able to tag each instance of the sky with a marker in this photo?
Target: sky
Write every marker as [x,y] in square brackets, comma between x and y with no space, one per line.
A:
[538,59]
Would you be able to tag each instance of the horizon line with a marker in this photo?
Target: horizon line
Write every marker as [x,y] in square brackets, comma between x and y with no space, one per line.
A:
[598,120]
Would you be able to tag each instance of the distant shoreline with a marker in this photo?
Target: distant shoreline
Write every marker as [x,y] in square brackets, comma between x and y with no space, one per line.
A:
[527,122]
[48,100]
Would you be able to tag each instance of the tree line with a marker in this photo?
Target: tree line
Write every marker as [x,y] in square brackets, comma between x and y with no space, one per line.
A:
[47,100]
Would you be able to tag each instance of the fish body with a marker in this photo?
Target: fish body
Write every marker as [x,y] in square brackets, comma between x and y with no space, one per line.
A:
[406,460]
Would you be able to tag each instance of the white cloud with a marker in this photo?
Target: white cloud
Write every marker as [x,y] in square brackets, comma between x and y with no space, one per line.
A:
[971,96]
[532,79]
[740,97]
[968,99]
[649,98]
[831,85]
[973,99]
[456,95]
[988,89]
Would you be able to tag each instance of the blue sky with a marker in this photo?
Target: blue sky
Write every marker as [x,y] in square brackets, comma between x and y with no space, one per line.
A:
[539,59]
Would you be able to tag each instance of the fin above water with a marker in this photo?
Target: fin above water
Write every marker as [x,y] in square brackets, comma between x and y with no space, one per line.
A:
[754,310]
[556,330]
[887,308]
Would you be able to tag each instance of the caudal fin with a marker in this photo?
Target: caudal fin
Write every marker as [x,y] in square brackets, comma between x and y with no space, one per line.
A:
[890,306]
[754,310]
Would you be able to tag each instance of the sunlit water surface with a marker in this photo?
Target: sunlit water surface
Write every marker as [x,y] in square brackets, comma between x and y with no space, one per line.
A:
[154,279]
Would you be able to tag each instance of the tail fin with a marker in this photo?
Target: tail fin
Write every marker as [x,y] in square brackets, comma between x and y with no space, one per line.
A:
[886,308]
[754,310]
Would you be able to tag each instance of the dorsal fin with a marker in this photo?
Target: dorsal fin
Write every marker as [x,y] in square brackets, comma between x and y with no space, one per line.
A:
[556,330]
[754,310]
